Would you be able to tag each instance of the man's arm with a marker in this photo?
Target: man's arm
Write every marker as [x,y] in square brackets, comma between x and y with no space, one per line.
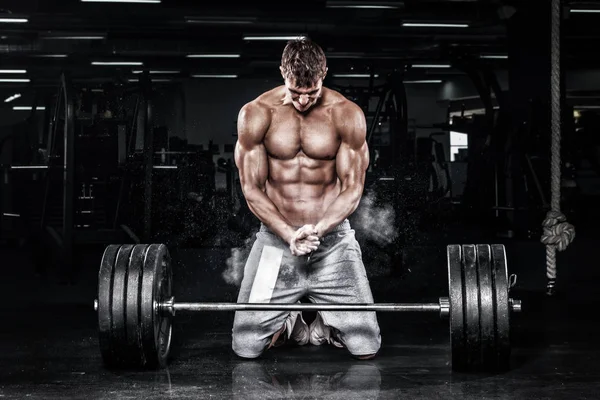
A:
[352,161]
[251,160]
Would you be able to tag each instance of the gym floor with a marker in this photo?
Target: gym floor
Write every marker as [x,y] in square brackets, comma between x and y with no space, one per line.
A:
[49,346]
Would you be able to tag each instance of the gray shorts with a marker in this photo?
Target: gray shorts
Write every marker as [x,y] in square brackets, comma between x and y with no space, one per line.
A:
[334,273]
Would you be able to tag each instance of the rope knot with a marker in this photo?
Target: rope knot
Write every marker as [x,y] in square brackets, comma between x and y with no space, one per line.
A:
[557,232]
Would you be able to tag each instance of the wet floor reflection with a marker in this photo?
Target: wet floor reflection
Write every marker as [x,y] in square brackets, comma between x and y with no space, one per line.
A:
[255,380]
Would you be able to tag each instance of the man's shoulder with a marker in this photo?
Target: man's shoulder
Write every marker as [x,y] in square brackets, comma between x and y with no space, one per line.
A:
[263,103]
[340,103]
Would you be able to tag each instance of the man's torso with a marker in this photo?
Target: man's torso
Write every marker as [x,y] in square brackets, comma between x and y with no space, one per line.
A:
[301,151]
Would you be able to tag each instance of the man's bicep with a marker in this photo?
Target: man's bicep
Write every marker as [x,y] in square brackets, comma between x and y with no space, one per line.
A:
[351,164]
[353,155]
[252,165]
[250,153]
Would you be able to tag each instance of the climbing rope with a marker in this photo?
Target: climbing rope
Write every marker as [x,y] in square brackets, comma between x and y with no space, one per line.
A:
[558,233]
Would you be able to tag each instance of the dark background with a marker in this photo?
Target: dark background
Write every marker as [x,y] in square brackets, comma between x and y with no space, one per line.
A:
[461,139]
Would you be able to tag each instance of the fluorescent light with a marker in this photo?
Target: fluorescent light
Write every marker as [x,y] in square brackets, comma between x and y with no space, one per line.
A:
[27,108]
[51,55]
[363,4]
[73,37]
[14,20]
[586,107]
[13,71]
[431,66]
[213,56]
[354,75]
[220,21]
[434,25]
[213,76]
[425,81]
[494,57]
[153,80]
[136,63]
[274,37]
[13,97]
[137,71]
[122,1]
[586,11]
[11,80]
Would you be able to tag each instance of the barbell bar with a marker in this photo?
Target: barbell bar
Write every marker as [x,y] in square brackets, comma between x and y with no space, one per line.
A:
[443,307]
[135,306]
[54,167]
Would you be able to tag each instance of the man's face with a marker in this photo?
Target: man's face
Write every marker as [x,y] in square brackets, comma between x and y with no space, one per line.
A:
[303,98]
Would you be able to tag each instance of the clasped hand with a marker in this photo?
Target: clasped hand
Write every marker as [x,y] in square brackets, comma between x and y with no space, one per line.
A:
[304,241]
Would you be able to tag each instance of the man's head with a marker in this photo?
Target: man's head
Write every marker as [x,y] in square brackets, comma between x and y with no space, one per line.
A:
[303,67]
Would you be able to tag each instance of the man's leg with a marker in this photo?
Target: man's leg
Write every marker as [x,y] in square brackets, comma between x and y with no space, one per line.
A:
[337,275]
[271,275]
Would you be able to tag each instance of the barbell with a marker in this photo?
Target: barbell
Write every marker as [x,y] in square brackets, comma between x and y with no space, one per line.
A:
[135,306]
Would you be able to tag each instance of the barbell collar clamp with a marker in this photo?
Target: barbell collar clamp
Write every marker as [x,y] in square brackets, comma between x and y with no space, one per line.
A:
[444,307]
[515,305]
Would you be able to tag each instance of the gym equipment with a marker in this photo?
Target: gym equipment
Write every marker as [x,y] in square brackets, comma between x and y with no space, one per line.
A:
[135,306]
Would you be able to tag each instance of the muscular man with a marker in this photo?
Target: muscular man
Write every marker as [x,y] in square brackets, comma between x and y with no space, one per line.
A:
[302,157]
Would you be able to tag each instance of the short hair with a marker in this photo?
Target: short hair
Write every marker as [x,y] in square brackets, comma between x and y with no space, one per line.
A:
[303,61]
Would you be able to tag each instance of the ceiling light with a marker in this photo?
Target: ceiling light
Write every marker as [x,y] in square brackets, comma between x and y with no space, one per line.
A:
[118,63]
[13,20]
[354,75]
[214,76]
[73,36]
[51,55]
[27,108]
[364,4]
[13,71]
[213,56]
[122,1]
[220,21]
[431,66]
[10,80]
[137,71]
[586,11]
[425,81]
[13,97]
[274,37]
[494,57]
[434,25]
[153,80]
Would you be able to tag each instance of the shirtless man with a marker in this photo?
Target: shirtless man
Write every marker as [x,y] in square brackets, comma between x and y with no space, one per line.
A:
[302,157]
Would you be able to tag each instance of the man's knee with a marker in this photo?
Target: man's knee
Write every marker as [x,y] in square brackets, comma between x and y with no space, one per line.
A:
[363,341]
[248,344]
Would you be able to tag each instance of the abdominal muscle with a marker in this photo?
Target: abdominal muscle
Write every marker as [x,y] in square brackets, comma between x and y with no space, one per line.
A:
[302,188]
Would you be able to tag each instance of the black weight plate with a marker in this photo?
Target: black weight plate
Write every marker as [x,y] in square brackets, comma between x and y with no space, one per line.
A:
[471,301]
[457,325]
[487,308]
[502,314]
[134,296]
[119,304]
[156,288]
[105,294]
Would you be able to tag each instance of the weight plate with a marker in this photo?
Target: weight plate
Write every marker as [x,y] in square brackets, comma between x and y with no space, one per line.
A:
[105,294]
[156,288]
[119,304]
[486,308]
[471,301]
[502,314]
[457,326]
[134,297]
